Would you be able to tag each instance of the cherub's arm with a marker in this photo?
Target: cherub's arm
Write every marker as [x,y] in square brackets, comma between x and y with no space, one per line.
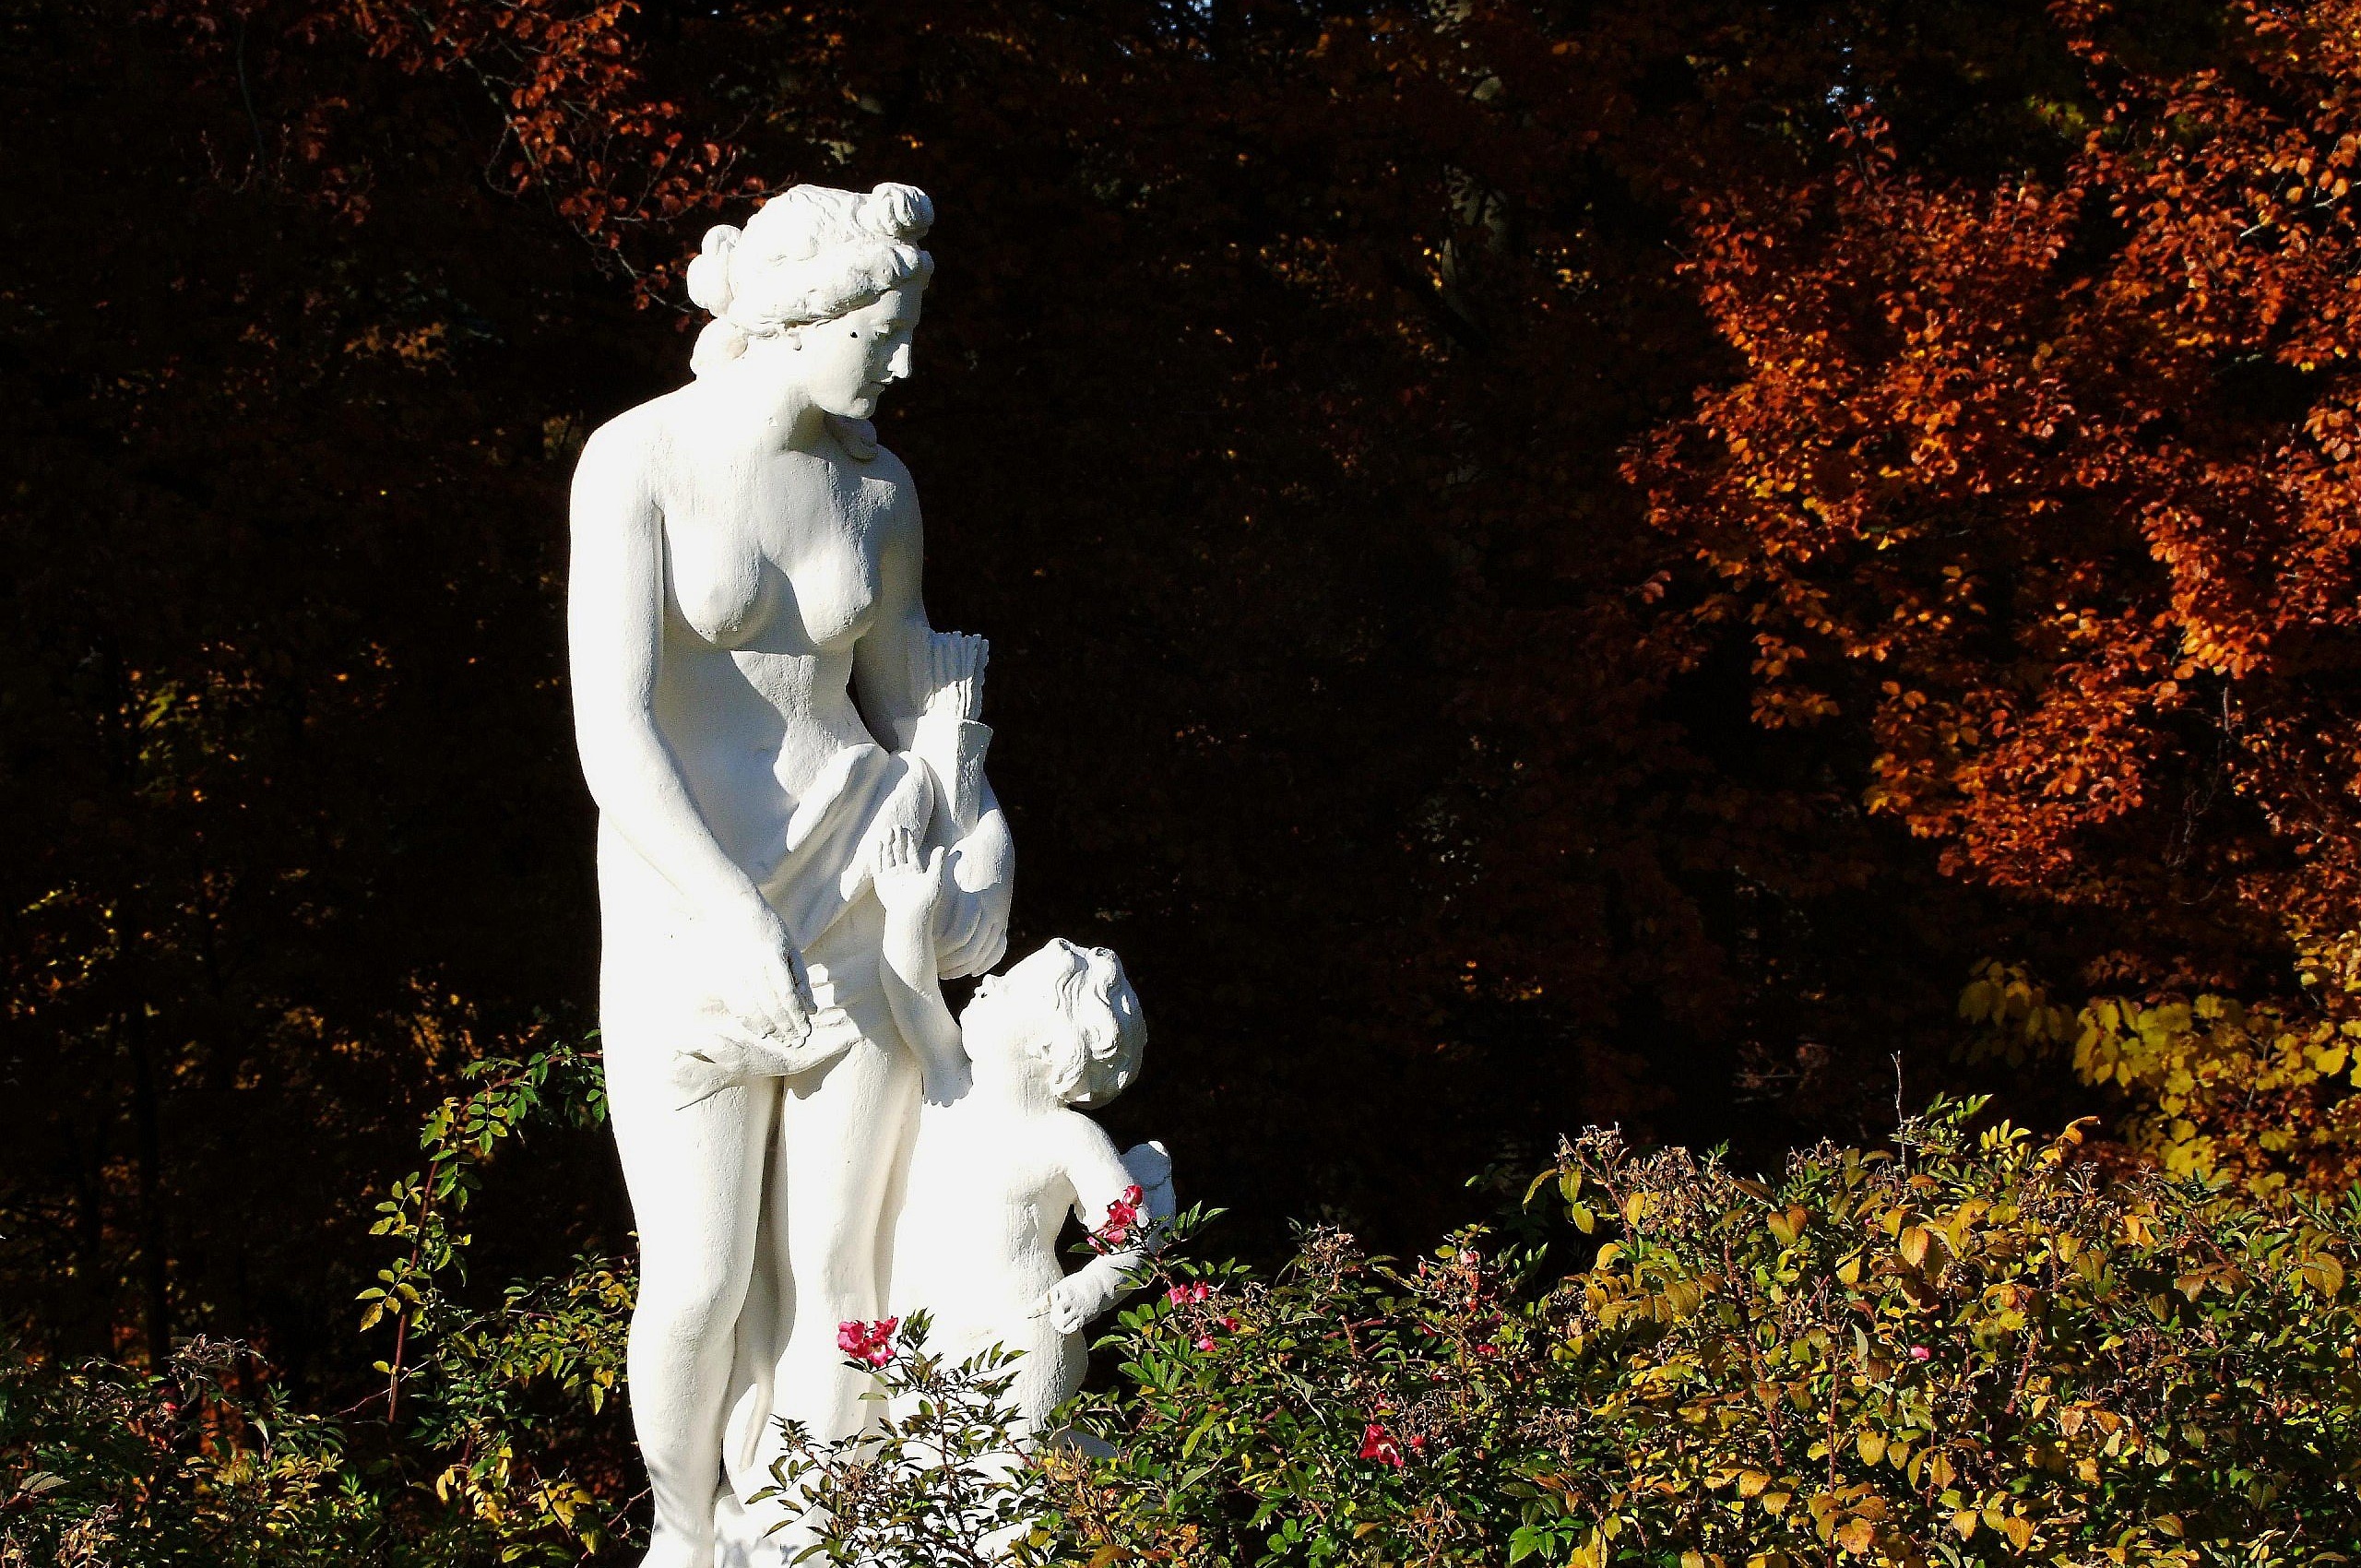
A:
[1105,1188]
[910,884]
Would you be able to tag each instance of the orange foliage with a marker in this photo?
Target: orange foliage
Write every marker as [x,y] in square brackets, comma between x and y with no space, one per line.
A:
[579,120]
[1332,323]
[2051,484]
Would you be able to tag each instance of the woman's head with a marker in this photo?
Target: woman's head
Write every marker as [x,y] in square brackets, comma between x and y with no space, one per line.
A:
[808,261]
[1069,1011]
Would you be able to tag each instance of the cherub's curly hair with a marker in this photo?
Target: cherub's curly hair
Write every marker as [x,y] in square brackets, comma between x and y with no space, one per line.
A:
[809,254]
[1101,1057]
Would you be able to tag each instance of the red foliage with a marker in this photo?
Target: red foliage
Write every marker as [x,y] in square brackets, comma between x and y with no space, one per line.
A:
[578,122]
[2049,488]
[1420,791]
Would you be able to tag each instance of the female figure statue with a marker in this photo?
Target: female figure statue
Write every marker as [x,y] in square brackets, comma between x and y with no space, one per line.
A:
[747,639]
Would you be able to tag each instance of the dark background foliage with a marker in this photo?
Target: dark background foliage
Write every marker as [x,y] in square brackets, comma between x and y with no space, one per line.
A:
[1273,399]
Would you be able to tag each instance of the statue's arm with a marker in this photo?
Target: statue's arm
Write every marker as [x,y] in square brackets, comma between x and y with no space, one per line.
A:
[983,870]
[886,662]
[910,884]
[615,638]
[1100,1179]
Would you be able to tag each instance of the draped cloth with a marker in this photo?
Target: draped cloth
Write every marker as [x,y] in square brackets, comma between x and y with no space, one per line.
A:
[661,981]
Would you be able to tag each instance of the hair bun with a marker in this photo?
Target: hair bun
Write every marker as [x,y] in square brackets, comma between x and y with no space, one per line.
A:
[900,212]
[709,273]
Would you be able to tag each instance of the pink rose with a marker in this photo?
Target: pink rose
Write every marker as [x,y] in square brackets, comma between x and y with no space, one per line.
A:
[869,1342]
[1122,1218]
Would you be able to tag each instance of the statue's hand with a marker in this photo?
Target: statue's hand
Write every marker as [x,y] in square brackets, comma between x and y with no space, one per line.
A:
[759,975]
[909,880]
[725,1061]
[1070,1304]
[971,929]
[945,1083]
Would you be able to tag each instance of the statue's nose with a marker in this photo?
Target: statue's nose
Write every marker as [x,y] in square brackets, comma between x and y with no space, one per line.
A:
[898,367]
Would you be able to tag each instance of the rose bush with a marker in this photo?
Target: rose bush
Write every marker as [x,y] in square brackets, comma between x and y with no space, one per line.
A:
[1974,1347]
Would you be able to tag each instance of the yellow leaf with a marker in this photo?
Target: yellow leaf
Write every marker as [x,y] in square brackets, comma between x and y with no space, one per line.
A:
[1915,1242]
[1858,1537]
[1871,1446]
[1750,1483]
[1963,1524]
[2018,1529]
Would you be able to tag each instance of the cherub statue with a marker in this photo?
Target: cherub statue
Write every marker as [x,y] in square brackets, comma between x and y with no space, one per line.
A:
[1001,1153]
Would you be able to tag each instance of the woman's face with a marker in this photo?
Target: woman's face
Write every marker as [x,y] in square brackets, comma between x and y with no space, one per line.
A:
[848,363]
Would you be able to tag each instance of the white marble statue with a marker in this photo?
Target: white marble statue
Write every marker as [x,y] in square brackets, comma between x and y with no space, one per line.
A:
[767,720]
[995,1171]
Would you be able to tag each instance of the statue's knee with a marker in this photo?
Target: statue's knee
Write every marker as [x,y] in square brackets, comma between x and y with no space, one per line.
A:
[688,1311]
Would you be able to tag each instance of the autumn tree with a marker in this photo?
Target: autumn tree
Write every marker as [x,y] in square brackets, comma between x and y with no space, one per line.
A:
[2037,493]
[1272,402]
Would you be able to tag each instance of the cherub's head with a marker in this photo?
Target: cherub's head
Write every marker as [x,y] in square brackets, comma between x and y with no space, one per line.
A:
[1066,1013]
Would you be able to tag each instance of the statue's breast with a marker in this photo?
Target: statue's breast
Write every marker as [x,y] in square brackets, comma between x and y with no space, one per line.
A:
[727,590]
[835,584]
[788,563]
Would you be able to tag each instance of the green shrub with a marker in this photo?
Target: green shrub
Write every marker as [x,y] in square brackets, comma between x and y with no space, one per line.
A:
[493,1441]
[1976,1349]
[105,1467]
[1979,1350]
[507,1404]
[936,1483]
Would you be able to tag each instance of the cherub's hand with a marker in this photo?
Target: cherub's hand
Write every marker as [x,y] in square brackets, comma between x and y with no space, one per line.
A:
[1070,1304]
[945,1083]
[909,880]
[949,668]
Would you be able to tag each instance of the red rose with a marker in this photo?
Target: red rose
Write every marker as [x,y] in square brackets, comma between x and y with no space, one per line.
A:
[869,1342]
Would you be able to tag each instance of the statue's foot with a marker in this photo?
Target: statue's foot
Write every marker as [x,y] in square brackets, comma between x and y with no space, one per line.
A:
[739,1535]
[670,1550]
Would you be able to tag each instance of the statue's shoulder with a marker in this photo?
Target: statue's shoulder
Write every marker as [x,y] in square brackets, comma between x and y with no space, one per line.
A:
[637,431]
[635,453]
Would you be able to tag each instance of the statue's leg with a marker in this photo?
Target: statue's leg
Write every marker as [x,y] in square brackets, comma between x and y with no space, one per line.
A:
[845,1133]
[695,1178]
